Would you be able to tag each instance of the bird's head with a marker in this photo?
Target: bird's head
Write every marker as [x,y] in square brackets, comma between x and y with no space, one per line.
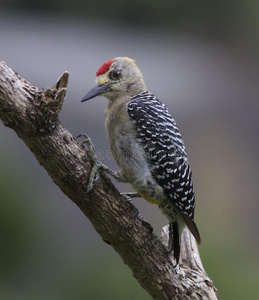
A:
[116,78]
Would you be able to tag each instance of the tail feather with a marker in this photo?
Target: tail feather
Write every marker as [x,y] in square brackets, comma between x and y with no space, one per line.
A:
[175,235]
[174,240]
[193,228]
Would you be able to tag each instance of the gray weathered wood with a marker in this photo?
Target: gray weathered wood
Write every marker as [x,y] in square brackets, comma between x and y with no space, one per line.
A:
[33,114]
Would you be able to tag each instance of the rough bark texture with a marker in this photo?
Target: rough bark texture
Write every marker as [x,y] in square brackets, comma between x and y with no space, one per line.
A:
[33,114]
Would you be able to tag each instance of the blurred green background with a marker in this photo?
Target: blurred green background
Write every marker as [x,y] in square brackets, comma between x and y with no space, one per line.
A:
[199,57]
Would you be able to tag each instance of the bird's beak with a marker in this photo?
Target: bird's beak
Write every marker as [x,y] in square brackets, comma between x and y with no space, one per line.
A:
[97,90]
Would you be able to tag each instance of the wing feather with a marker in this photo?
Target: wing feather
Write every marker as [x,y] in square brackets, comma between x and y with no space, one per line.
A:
[159,135]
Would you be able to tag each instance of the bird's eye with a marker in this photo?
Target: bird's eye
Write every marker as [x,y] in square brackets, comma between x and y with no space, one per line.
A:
[115,75]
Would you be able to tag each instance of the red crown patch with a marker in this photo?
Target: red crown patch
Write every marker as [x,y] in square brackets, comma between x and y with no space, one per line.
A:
[104,68]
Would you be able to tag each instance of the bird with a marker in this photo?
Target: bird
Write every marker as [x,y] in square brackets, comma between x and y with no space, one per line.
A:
[146,145]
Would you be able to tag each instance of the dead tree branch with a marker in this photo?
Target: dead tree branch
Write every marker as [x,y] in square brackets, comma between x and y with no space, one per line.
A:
[33,114]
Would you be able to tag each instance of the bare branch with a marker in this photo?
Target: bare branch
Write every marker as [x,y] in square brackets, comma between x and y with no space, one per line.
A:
[33,114]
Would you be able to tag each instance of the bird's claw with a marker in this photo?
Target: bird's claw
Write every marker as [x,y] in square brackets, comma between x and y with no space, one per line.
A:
[127,198]
[136,213]
[95,173]
[87,141]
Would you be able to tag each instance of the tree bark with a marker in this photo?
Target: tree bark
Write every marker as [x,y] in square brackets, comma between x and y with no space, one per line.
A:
[33,114]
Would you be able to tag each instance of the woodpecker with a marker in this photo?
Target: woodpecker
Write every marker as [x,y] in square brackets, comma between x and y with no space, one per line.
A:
[147,146]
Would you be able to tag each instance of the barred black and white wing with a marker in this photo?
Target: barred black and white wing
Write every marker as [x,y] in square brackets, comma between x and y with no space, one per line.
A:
[159,136]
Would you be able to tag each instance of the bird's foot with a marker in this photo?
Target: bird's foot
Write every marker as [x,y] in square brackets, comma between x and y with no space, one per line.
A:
[129,195]
[97,165]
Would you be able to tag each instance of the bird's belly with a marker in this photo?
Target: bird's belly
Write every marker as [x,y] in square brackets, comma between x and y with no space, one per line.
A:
[132,160]
[137,172]
[148,189]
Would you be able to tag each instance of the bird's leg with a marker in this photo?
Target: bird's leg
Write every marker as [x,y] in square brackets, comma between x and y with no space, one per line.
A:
[129,195]
[97,165]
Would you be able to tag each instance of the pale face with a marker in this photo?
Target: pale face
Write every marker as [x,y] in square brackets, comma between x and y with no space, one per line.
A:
[117,78]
